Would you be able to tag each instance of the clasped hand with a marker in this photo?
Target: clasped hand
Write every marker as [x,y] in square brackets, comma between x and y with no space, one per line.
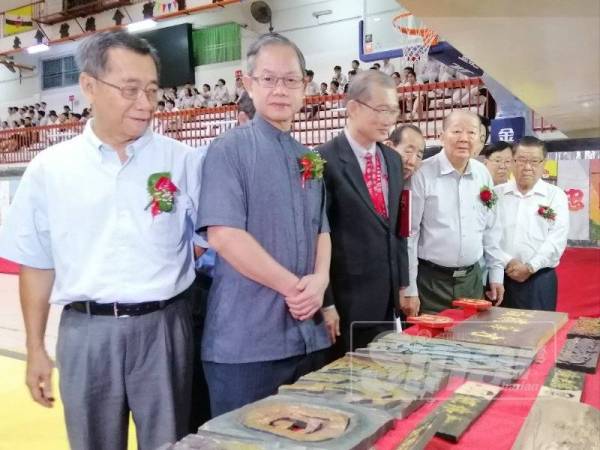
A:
[307,296]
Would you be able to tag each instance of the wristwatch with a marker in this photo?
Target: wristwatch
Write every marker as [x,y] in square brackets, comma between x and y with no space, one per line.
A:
[530,268]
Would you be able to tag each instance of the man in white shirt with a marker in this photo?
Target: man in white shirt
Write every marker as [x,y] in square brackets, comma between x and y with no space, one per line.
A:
[535,219]
[311,86]
[221,94]
[454,222]
[388,68]
[339,77]
[102,224]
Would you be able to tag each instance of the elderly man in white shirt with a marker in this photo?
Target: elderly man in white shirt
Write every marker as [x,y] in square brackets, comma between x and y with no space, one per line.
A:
[535,219]
[454,222]
[102,225]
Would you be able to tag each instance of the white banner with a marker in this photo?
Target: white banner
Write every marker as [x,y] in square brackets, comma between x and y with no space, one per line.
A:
[574,179]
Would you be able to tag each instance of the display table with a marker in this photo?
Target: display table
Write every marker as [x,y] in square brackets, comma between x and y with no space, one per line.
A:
[499,425]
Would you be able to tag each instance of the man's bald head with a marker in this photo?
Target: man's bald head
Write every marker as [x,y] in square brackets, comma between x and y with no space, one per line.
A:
[460,114]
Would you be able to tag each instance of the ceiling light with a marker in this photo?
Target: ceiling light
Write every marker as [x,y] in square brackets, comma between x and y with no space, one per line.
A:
[141,26]
[39,48]
[586,104]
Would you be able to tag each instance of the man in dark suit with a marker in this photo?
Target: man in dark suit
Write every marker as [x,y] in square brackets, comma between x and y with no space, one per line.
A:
[369,266]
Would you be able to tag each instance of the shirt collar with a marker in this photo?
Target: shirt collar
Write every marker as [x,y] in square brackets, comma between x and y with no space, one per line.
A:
[358,149]
[268,128]
[98,146]
[539,188]
[446,166]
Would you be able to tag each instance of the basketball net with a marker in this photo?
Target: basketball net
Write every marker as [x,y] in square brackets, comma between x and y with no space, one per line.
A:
[416,38]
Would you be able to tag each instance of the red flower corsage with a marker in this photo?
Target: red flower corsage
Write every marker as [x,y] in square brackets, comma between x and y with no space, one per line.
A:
[488,197]
[547,213]
[162,193]
[311,167]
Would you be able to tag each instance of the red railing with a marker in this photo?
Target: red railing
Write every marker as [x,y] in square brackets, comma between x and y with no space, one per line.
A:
[320,119]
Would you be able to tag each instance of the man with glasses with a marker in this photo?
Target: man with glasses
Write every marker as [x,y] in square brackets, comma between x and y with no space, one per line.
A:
[89,236]
[535,219]
[364,181]
[454,222]
[268,226]
[498,158]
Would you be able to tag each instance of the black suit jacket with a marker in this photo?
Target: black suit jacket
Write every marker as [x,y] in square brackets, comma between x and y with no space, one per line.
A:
[369,261]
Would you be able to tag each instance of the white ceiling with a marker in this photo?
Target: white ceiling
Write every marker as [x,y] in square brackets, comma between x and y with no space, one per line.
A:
[546,52]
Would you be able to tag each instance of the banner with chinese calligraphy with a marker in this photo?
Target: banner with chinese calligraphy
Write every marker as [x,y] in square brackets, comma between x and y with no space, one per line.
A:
[18,20]
[595,200]
[573,177]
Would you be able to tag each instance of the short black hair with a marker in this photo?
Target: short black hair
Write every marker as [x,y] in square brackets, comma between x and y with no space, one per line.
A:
[161,103]
[378,65]
[499,146]
[396,135]
[337,68]
[356,61]
[171,102]
[222,81]
[41,113]
[532,141]
[310,73]
[52,113]
[206,85]
[336,83]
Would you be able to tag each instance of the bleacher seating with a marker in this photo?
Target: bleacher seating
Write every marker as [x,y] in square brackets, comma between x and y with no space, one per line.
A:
[321,119]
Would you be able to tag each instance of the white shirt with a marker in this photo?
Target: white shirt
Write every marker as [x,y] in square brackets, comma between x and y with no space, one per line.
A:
[360,152]
[526,235]
[81,212]
[341,78]
[221,95]
[388,68]
[311,89]
[450,225]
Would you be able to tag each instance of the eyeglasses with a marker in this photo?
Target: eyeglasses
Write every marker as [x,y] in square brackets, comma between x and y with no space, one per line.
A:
[133,92]
[388,113]
[501,162]
[532,162]
[270,81]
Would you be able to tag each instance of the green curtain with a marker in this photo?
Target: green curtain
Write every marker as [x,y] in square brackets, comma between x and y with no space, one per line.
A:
[218,43]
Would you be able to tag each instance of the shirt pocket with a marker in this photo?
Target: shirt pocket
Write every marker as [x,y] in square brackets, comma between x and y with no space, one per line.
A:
[538,229]
[168,230]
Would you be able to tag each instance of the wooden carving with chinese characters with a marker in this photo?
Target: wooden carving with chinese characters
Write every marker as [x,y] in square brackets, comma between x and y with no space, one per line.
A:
[508,327]
[477,362]
[586,327]
[464,407]
[579,354]
[563,383]
[295,422]
[556,423]
[422,434]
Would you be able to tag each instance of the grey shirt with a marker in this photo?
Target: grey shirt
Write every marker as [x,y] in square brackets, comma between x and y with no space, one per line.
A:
[251,181]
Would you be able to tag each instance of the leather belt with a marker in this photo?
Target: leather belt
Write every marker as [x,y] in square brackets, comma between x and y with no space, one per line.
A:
[120,309]
[456,272]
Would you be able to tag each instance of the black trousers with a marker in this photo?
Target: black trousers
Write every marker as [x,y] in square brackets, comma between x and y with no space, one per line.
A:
[538,292]
[200,409]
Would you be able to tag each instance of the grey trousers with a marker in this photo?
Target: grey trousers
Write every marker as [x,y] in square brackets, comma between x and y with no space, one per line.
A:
[111,366]
[437,289]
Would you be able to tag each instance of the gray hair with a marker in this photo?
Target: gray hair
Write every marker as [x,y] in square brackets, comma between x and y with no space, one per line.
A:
[461,112]
[363,82]
[92,53]
[271,39]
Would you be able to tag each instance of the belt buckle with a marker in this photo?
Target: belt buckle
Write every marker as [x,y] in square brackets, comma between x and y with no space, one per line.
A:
[116,312]
[459,273]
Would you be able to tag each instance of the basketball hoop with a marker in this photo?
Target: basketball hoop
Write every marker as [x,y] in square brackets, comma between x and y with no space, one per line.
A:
[416,38]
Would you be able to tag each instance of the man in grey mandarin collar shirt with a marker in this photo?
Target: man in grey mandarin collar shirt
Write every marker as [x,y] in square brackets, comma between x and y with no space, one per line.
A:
[454,223]
[263,325]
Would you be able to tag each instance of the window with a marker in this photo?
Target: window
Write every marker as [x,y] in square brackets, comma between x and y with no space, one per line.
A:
[218,43]
[59,72]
